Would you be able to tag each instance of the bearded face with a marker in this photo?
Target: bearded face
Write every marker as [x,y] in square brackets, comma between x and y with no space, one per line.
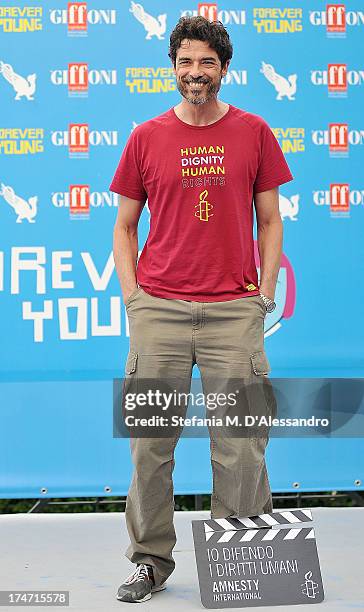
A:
[198,71]
[198,91]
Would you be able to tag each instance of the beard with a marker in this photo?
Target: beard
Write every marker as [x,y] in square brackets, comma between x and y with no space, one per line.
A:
[199,96]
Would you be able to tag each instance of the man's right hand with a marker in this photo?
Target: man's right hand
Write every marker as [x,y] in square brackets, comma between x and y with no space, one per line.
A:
[129,294]
[125,243]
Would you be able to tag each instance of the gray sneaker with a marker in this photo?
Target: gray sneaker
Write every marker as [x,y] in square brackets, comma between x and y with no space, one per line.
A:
[139,586]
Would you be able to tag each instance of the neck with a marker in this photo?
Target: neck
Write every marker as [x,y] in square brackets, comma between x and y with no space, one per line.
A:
[201,114]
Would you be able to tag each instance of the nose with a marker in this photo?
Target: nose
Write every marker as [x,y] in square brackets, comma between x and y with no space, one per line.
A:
[195,70]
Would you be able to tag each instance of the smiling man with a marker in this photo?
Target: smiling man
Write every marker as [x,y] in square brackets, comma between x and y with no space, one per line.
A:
[193,297]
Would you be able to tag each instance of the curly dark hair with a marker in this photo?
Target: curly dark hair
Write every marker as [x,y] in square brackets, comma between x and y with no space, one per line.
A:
[199,28]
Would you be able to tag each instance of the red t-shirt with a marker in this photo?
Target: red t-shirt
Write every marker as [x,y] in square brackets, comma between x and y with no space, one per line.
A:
[200,182]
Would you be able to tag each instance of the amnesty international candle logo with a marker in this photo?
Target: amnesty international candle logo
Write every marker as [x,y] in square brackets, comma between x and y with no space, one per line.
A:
[310,587]
[203,207]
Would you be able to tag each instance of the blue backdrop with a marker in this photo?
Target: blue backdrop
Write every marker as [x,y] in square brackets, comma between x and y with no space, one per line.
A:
[73,84]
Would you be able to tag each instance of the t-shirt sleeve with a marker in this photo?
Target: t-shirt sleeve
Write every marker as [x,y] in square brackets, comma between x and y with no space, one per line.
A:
[127,179]
[273,169]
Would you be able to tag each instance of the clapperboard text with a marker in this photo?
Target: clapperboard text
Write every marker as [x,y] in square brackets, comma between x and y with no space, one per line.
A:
[243,552]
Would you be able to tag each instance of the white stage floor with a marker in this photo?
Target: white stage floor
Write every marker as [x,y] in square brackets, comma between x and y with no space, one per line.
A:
[84,553]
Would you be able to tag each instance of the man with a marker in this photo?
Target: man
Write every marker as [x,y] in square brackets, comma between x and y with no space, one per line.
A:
[194,297]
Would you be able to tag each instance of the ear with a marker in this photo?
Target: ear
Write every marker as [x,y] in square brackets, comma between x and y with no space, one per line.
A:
[225,68]
[173,66]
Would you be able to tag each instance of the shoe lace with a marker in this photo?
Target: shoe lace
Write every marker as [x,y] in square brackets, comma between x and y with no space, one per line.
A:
[140,573]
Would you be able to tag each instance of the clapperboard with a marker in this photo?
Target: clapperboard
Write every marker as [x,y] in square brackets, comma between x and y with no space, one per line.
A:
[255,561]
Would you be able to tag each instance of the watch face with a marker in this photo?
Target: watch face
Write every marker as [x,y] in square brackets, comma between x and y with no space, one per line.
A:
[271,307]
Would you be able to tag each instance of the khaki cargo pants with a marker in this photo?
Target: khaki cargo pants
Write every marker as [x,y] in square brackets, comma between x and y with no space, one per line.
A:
[224,339]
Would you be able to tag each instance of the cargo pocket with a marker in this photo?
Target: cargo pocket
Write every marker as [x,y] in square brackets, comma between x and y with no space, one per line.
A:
[260,363]
[130,384]
[263,401]
[131,362]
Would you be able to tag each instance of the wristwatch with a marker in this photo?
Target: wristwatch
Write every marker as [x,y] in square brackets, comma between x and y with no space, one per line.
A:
[269,304]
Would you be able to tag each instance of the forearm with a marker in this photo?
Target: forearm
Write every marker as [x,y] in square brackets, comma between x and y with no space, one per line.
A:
[270,240]
[125,251]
